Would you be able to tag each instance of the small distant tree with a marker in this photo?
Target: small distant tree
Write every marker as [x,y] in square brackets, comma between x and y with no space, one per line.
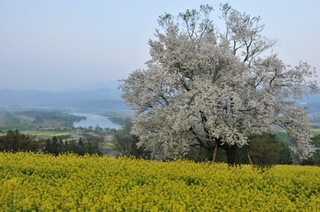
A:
[81,147]
[91,146]
[315,159]
[54,145]
[126,142]
[80,142]
[266,150]
[77,147]
[97,129]
[263,152]
[316,155]
[285,152]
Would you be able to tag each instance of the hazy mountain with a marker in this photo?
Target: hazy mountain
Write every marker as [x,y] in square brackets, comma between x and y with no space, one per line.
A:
[110,84]
[310,99]
[95,95]
[102,105]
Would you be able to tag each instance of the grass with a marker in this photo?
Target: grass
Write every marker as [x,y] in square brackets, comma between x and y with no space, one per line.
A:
[315,132]
[108,143]
[9,121]
[46,134]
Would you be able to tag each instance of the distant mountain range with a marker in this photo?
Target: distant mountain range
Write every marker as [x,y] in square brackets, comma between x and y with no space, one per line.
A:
[95,96]
[99,96]
[312,103]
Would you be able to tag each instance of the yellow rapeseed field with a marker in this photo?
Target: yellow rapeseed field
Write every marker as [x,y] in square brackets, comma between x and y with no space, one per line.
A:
[41,182]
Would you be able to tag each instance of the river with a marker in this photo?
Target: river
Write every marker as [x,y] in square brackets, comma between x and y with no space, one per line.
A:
[93,120]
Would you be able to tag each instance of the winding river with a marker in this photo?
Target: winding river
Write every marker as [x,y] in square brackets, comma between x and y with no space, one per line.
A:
[93,120]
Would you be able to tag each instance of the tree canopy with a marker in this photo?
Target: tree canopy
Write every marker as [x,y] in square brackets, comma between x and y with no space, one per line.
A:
[209,87]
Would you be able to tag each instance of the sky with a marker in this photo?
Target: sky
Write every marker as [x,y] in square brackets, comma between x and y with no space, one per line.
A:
[58,45]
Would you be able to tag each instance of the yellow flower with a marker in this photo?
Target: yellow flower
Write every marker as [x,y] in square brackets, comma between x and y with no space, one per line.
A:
[39,182]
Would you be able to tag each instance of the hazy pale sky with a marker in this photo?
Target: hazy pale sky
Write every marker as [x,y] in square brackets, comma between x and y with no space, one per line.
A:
[56,45]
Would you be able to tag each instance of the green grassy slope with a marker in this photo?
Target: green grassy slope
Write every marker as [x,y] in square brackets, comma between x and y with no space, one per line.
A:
[8,121]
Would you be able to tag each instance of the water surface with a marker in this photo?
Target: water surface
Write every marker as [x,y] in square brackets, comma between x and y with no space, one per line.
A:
[93,120]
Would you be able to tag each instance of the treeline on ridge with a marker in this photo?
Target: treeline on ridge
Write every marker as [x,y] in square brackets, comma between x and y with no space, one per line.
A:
[52,116]
[264,150]
[15,141]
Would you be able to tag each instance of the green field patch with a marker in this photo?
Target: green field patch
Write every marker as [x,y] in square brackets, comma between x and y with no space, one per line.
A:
[47,134]
[282,131]
[108,143]
[315,131]
[10,121]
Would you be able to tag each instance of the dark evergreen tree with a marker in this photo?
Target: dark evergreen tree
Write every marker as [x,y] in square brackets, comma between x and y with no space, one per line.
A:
[266,150]
[54,145]
[15,141]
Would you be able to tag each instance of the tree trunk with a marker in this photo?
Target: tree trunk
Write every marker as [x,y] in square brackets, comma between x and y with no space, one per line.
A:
[250,161]
[232,154]
[214,154]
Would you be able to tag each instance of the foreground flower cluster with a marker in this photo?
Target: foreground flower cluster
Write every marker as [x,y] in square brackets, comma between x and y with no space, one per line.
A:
[41,182]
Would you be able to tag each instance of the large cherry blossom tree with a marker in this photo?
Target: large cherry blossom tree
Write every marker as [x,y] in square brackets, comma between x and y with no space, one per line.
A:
[213,88]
